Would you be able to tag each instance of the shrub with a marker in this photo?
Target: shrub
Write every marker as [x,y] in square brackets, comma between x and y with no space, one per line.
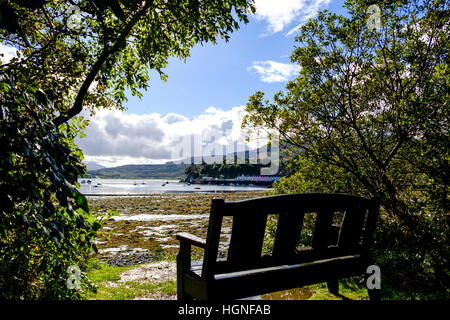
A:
[45,224]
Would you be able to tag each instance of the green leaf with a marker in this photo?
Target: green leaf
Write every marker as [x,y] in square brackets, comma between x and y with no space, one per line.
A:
[31,4]
[81,200]
[96,226]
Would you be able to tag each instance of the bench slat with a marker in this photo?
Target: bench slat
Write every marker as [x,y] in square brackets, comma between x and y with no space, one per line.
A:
[351,229]
[254,282]
[213,236]
[286,203]
[246,241]
[322,229]
[287,235]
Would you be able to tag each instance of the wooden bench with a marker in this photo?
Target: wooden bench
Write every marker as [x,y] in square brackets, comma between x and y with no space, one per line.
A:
[337,251]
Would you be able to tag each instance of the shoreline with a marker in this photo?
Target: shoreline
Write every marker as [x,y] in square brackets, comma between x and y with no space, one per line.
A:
[170,192]
[148,188]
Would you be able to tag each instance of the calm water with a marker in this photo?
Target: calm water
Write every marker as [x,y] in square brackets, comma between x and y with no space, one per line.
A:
[131,187]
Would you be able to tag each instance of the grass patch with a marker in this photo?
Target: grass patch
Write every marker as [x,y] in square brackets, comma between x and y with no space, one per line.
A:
[106,278]
[349,289]
[132,289]
[320,292]
[103,272]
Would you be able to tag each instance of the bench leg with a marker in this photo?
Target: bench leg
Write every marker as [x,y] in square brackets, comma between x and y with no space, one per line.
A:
[183,264]
[180,289]
[374,294]
[183,296]
[333,287]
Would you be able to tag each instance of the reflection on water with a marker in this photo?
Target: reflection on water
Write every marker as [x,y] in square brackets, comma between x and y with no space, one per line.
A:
[131,187]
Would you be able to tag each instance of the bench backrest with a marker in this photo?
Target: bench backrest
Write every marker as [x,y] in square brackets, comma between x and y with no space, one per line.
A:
[353,236]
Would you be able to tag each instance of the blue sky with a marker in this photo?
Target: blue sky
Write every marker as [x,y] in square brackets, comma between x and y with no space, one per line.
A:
[215,75]
[206,95]
[221,75]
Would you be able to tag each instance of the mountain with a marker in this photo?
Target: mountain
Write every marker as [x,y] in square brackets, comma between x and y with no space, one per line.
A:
[251,155]
[173,170]
[91,165]
[140,171]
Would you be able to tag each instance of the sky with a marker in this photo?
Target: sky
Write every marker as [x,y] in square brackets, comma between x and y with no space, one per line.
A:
[206,95]
[257,57]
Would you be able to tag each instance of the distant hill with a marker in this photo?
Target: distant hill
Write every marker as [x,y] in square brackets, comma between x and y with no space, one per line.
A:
[91,165]
[174,170]
[140,171]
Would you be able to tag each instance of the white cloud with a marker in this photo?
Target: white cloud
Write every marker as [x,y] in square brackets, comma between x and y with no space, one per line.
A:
[272,71]
[281,13]
[174,117]
[8,53]
[117,138]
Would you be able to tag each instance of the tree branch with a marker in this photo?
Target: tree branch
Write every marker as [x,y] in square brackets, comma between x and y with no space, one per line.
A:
[77,106]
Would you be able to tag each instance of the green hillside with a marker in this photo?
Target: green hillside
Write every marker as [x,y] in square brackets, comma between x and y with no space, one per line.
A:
[166,170]
[140,171]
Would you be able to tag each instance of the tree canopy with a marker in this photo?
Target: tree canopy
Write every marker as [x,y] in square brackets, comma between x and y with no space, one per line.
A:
[227,171]
[70,56]
[369,114]
[88,52]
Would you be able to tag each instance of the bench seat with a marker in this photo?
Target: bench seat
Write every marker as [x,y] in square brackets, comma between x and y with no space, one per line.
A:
[337,251]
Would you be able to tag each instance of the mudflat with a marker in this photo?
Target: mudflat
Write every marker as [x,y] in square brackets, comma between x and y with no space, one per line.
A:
[146,226]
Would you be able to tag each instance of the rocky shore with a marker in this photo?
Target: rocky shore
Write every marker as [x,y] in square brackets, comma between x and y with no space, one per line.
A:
[146,226]
[144,236]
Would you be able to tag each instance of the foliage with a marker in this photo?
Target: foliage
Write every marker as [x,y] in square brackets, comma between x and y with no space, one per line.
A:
[90,57]
[73,55]
[369,114]
[45,225]
[140,171]
[228,171]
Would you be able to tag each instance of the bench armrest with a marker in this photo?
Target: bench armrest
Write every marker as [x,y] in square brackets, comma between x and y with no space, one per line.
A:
[184,255]
[191,239]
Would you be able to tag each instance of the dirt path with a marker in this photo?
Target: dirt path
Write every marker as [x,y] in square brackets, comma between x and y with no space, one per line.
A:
[154,272]
[151,272]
